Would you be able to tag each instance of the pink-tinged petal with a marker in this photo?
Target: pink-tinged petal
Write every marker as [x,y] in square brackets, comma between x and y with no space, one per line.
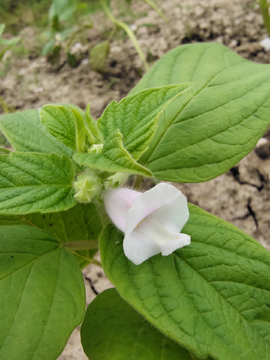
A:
[117,203]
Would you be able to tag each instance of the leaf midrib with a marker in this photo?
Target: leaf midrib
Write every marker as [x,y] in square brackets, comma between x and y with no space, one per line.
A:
[168,314]
[224,299]
[192,97]
[208,138]
[41,129]
[29,262]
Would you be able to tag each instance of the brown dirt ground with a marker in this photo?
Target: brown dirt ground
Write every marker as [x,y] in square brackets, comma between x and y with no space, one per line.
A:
[240,196]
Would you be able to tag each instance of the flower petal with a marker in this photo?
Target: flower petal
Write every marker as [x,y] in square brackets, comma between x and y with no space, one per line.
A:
[117,203]
[173,203]
[138,247]
[151,237]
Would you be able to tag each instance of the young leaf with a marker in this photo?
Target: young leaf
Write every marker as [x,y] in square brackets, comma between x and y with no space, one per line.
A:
[113,157]
[136,116]
[81,223]
[80,130]
[25,132]
[42,296]
[113,330]
[212,296]
[93,132]
[32,182]
[209,129]
[59,121]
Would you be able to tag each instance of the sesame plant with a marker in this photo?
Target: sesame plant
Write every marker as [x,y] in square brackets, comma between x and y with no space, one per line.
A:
[188,285]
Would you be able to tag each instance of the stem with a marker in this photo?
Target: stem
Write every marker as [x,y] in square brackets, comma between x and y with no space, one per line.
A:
[82,245]
[128,31]
[112,33]
[265,14]
[96,262]
[138,182]
[4,106]
[158,10]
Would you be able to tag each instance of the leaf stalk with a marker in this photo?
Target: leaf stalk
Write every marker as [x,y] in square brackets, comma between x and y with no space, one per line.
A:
[264,5]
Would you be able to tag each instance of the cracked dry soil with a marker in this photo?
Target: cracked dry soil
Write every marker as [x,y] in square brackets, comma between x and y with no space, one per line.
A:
[240,196]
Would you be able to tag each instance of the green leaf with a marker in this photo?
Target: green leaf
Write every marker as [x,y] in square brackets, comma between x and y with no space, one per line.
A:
[4,151]
[81,223]
[93,133]
[63,9]
[48,47]
[59,121]
[80,130]
[113,157]
[212,297]
[25,132]
[209,129]
[99,55]
[113,330]
[72,61]
[137,116]
[32,182]
[2,28]
[42,296]
[9,42]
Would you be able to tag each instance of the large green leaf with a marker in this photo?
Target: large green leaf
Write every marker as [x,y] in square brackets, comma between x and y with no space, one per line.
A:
[32,182]
[136,116]
[212,297]
[113,330]
[113,157]
[211,127]
[25,132]
[81,223]
[42,296]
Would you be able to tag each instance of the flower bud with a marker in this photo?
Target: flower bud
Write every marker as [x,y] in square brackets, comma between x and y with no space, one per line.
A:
[95,149]
[86,187]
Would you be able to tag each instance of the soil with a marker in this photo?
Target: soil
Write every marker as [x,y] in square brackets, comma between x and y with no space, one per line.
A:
[240,196]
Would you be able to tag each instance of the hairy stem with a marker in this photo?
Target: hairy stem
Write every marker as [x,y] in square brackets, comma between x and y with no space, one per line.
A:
[264,5]
[138,182]
[96,262]
[128,31]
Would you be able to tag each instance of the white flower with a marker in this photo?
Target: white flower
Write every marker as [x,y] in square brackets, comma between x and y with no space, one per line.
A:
[151,221]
